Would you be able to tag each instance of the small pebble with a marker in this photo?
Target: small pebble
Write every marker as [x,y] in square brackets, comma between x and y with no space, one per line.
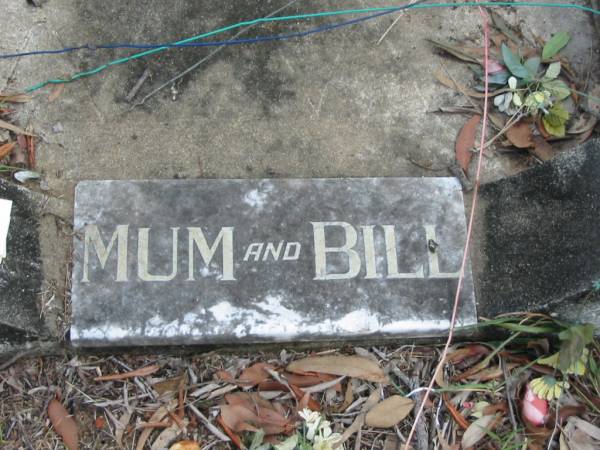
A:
[57,128]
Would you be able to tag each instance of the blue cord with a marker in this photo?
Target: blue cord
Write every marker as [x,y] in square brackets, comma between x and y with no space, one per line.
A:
[276,37]
[383,11]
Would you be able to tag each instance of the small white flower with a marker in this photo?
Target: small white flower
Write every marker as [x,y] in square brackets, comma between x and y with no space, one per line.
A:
[326,443]
[318,430]
[289,444]
[309,415]
[512,83]
[507,100]
[517,100]
[325,428]
[312,420]
[499,100]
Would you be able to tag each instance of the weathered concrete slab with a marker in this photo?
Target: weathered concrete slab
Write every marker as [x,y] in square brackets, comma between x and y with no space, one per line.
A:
[539,239]
[221,261]
[20,270]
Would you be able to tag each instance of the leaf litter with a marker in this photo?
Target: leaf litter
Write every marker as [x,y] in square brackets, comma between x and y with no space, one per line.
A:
[352,398]
[17,144]
[532,83]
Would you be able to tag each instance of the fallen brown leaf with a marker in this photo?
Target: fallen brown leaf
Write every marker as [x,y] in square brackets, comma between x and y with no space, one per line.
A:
[580,435]
[498,120]
[444,443]
[305,398]
[542,346]
[497,407]
[389,412]
[247,411]
[542,149]
[168,435]
[15,129]
[583,124]
[591,430]
[592,103]
[458,355]
[477,431]
[448,82]
[224,375]
[239,418]
[19,154]
[506,30]
[472,55]
[30,151]
[170,385]
[491,373]
[358,423]
[121,426]
[232,435]
[566,411]
[456,415]
[307,380]
[157,417]
[255,374]
[5,149]
[520,135]
[14,98]
[63,424]
[142,372]
[465,142]
[250,400]
[348,399]
[542,129]
[585,136]
[352,366]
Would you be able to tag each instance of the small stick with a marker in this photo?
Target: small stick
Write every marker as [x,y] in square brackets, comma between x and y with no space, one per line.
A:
[137,86]
[385,33]
[206,58]
[214,430]
[162,424]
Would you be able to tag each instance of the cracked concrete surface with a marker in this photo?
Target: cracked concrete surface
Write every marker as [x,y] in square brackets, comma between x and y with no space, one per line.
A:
[330,105]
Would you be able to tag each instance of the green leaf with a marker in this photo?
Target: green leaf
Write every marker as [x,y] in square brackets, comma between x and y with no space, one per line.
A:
[555,122]
[553,71]
[557,88]
[513,62]
[500,78]
[577,368]
[575,338]
[555,45]
[532,329]
[257,440]
[533,65]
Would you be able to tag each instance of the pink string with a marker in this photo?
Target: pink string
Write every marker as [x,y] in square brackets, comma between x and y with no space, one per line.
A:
[465,259]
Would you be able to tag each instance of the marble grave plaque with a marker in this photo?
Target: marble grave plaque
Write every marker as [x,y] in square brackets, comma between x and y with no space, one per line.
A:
[225,261]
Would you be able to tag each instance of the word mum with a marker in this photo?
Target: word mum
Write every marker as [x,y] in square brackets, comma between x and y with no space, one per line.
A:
[198,245]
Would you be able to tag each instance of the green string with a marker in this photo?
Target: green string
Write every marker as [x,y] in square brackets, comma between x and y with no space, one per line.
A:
[302,17]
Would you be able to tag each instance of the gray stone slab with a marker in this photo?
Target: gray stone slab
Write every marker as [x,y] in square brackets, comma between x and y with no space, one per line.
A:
[21,270]
[224,261]
[537,247]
